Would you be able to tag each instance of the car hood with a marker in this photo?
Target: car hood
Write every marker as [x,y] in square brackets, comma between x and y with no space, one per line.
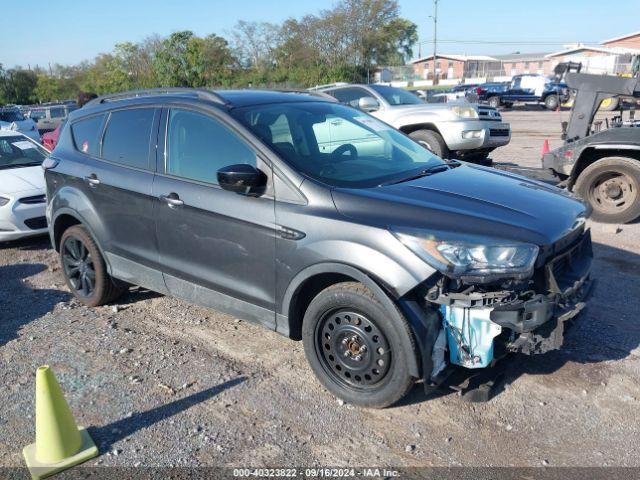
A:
[427,107]
[468,200]
[21,125]
[21,179]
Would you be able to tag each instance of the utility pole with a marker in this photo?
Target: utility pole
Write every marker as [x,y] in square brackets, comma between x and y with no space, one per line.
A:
[435,37]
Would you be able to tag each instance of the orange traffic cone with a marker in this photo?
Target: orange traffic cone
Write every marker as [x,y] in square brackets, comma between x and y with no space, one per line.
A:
[545,146]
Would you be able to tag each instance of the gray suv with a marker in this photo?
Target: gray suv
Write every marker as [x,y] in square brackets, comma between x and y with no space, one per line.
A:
[390,264]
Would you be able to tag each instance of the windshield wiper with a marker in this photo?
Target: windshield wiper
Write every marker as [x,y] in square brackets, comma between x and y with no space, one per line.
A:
[422,173]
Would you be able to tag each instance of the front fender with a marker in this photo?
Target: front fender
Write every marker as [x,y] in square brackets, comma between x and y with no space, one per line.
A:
[422,324]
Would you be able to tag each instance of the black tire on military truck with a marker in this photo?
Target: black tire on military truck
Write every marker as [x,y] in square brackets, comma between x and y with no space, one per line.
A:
[611,185]
[356,347]
[432,141]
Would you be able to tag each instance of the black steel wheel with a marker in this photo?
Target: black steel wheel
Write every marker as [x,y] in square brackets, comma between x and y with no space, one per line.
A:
[353,350]
[78,266]
[359,349]
[84,269]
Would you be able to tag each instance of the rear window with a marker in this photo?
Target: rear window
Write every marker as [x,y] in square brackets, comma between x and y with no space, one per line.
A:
[86,135]
[37,114]
[57,112]
[128,137]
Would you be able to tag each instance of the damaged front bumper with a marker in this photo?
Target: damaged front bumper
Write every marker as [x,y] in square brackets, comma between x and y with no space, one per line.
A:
[479,326]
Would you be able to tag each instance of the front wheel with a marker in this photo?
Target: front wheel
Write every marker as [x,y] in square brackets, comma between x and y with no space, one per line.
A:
[356,348]
[551,102]
[432,141]
[612,187]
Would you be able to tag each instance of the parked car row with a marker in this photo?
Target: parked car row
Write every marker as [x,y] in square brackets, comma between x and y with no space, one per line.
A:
[12,119]
[49,117]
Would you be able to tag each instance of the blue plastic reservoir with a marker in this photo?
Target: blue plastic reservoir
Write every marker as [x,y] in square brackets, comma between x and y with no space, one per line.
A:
[470,334]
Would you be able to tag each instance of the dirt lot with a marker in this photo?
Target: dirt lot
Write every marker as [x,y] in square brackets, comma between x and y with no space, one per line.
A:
[164,383]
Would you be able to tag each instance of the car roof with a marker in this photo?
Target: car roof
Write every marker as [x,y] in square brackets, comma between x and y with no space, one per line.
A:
[243,98]
[220,98]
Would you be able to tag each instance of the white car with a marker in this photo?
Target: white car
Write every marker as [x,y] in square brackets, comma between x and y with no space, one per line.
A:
[22,187]
[11,118]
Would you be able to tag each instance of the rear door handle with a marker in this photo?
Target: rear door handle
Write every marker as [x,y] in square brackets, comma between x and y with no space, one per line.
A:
[92,180]
[172,200]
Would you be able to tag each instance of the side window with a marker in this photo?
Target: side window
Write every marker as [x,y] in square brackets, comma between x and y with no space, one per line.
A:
[350,96]
[86,135]
[128,136]
[57,112]
[198,146]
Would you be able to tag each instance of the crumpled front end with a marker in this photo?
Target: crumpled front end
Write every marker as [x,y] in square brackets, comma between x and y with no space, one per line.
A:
[482,323]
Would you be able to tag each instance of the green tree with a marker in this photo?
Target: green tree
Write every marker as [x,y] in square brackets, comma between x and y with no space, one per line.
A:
[18,86]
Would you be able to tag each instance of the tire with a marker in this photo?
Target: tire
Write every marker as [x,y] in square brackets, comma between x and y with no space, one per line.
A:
[508,105]
[432,141]
[339,322]
[494,101]
[80,257]
[609,104]
[551,102]
[612,187]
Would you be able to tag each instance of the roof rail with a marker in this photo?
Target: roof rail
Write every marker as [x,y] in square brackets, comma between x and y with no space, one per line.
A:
[201,93]
[327,85]
[312,93]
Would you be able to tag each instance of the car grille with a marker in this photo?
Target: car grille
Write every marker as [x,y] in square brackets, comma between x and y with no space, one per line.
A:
[486,113]
[33,200]
[36,223]
[499,132]
[571,266]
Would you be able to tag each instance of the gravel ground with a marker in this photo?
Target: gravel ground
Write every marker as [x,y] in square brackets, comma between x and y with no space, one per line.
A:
[164,383]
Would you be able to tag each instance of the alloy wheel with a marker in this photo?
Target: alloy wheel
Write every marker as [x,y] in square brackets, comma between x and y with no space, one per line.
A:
[78,266]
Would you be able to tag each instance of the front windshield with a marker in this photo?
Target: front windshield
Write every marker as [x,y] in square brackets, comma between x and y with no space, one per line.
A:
[397,96]
[335,144]
[11,115]
[20,151]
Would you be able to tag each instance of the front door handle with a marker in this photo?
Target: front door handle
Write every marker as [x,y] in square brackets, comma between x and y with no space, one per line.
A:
[92,180]
[172,200]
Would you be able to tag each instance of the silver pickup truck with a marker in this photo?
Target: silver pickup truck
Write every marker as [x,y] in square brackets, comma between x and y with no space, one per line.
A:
[450,130]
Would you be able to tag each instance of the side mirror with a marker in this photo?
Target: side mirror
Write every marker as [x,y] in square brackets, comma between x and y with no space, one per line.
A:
[368,104]
[242,178]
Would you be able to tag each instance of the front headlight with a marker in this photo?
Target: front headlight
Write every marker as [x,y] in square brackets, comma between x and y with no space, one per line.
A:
[464,112]
[3,201]
[475,259]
